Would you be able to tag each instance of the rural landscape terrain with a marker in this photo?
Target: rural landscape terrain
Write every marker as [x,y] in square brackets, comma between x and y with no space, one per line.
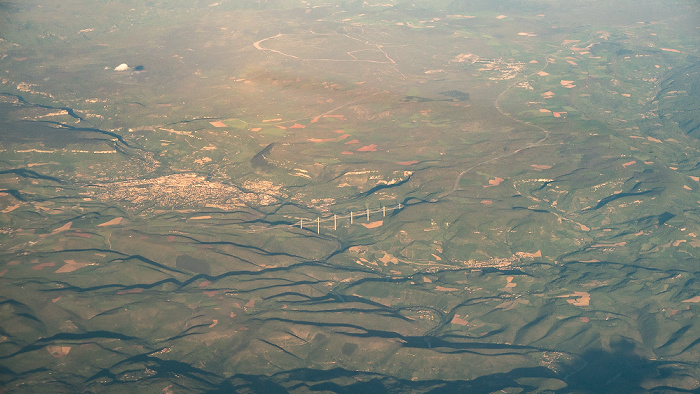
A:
[348,196]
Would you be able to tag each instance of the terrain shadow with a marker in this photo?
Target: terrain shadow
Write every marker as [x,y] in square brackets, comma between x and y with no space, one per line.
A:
[336,381]
[620,370]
